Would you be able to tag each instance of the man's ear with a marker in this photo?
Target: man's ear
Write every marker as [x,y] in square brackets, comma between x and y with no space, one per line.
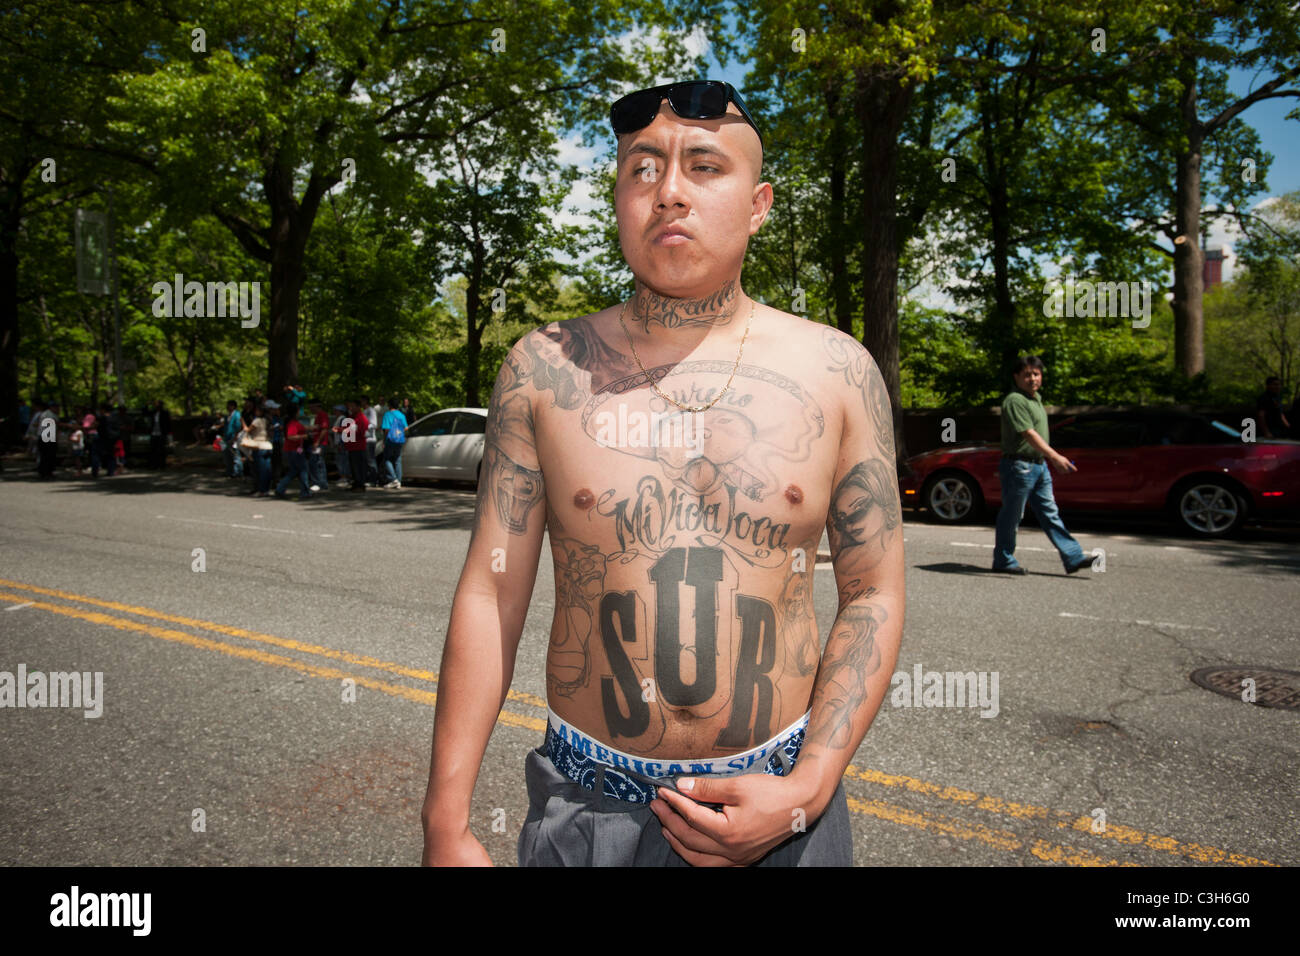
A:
[762,205]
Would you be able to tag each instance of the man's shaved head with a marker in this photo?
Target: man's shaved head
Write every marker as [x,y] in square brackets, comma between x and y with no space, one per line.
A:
[733,132]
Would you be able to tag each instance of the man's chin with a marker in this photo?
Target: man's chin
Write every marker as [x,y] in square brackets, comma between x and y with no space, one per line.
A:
[679,284]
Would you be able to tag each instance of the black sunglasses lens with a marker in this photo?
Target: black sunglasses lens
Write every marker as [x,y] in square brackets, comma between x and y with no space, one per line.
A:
[634,111]
[703,100]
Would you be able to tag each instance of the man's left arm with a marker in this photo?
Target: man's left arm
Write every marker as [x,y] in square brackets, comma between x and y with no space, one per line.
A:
[865,528]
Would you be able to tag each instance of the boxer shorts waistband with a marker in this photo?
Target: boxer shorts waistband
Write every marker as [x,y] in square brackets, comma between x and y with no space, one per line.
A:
[622,776]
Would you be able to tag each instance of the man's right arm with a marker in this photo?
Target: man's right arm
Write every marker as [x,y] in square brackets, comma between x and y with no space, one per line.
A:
[487,614]
[1063,464]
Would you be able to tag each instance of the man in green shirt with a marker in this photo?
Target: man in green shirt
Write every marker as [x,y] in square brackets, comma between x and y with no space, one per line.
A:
[1024,475]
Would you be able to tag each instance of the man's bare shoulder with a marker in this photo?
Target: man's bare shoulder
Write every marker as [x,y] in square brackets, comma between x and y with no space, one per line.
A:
[576,325]
[858,383]
[565,360]
[841,364]
[818,338]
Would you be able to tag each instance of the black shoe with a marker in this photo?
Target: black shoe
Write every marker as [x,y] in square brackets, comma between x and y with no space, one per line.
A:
[1016,569]
[1085,563]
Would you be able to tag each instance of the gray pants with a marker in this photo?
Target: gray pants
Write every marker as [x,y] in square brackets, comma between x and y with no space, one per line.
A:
[569,826]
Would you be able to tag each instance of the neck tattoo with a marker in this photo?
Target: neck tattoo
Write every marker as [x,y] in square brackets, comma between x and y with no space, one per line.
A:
[715,309]
[695,409]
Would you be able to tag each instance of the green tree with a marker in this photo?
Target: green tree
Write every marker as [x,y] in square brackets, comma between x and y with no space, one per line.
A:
[258,116]
[1253,323]
[1178,104]
[51,68]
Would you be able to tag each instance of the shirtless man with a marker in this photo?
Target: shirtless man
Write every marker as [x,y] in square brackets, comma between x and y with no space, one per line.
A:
[684,489]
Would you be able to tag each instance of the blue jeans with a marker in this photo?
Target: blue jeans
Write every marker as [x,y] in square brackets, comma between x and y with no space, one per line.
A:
[295,467]
[393,462]
[262,468]
[316,469]
[1025,483]
[100,458]
[234,463]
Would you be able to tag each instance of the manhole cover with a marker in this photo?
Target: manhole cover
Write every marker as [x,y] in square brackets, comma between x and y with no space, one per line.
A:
[1270,688]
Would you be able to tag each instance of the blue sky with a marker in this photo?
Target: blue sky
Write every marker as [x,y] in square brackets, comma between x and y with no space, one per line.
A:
[1279,136]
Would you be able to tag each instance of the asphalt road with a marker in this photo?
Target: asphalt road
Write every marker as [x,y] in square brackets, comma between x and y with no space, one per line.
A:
[227,735]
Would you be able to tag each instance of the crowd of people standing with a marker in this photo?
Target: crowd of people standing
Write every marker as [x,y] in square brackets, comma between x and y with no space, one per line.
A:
[97,438]
[275,444]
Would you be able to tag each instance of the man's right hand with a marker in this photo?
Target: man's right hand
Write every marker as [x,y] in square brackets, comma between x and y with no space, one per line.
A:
[453,849]
[1063,464]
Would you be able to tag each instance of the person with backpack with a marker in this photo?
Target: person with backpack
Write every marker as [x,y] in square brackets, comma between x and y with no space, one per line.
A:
[394,425]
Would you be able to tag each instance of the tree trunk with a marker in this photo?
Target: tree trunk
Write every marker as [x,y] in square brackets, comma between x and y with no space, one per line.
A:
[10,218]
[59,380]
[1003,317]
[473,329]
[1189,320]
[290,227]
[881,103]
[838,234]
[190,371]
[354,360]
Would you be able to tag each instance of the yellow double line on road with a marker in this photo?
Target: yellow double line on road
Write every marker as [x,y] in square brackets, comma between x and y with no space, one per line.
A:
[927,821]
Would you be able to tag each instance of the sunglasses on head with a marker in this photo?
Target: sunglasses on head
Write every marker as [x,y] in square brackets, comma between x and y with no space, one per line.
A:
[697,99]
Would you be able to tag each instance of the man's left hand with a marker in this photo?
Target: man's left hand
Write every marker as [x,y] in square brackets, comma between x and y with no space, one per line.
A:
[759,812]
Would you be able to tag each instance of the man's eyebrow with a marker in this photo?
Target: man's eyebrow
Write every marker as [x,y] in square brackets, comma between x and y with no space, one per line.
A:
[644,148]
[707,151]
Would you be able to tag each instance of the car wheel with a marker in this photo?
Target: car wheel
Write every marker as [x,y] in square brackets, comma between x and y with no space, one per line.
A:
[1209,509]
[951,498]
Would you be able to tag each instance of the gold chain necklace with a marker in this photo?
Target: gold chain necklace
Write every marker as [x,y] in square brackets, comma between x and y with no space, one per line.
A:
[669,398]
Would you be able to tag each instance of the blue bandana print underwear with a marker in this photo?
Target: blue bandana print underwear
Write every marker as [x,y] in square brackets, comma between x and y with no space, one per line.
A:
[631,779]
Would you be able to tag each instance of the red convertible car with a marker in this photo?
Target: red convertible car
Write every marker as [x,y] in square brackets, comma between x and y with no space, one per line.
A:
[1199,472]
